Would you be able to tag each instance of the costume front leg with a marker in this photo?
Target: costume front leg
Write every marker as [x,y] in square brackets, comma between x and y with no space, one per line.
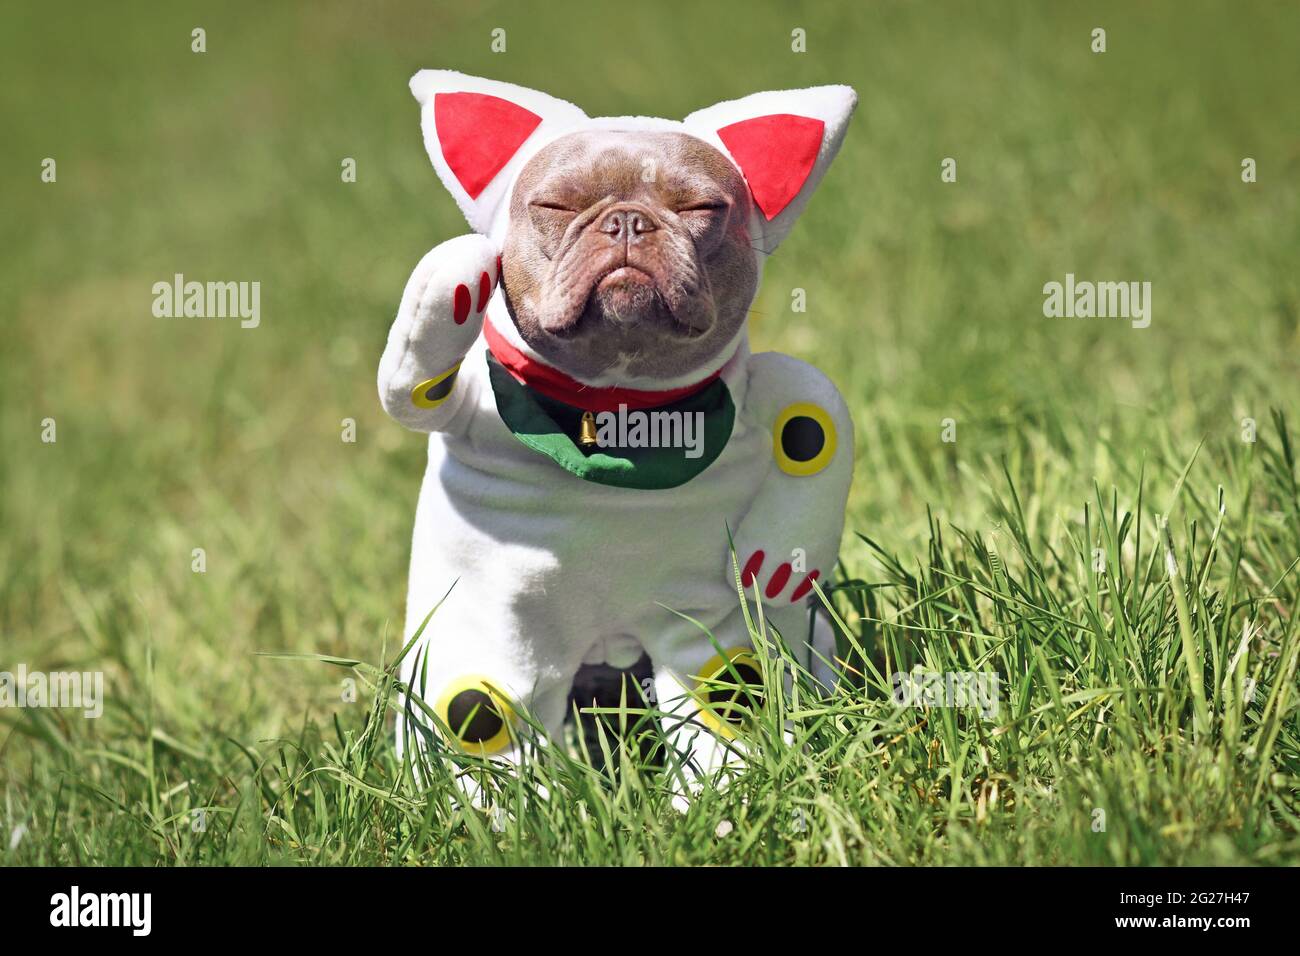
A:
[439,318]
[478,666]
[790,536]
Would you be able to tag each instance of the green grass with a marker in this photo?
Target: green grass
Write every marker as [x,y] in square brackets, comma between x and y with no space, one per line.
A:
[1125,687]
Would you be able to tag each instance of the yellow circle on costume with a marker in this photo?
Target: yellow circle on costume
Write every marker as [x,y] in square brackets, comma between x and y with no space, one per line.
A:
[803,439]
[473,707]
[717,691]
[433,392]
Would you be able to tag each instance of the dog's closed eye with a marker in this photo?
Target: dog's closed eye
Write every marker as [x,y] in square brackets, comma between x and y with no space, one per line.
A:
[550,219]
[706,220]
[706,205]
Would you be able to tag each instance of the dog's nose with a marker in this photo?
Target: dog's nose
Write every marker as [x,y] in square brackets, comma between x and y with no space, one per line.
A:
[626,223]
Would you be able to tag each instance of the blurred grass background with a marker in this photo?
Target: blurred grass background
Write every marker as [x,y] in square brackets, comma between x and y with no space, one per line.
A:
[924,298]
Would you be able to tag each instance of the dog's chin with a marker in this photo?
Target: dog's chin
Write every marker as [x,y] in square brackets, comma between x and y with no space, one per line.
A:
[626,297]
[628,328]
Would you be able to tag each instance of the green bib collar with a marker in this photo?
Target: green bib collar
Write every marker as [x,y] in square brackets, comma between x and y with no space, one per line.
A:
[625,455]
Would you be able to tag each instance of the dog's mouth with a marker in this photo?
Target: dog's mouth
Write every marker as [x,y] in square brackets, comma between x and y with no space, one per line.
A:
[625,279]
[628,298]
[649,287]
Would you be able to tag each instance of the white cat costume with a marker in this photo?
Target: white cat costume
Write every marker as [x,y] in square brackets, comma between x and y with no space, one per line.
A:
[541,554]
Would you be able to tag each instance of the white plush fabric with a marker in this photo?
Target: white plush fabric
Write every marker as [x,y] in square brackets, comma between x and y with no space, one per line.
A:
[538,570]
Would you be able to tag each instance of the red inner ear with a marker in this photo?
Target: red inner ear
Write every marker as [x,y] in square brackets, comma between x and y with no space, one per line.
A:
[776,153]
[478,134]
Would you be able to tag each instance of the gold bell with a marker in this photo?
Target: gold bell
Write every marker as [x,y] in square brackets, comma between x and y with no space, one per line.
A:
[587,432]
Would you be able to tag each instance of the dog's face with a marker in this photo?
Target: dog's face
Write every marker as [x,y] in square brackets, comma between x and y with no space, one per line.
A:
[629,252]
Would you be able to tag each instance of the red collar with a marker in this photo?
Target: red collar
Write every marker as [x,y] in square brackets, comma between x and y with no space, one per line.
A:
[553,383]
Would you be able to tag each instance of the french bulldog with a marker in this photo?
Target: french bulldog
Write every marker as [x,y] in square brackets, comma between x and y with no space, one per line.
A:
[600,435]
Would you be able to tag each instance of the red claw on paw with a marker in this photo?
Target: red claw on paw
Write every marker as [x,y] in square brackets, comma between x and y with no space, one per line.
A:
[779,578]
[804,586]
[461,305]
[484,290]
[752,567]
[498,268]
